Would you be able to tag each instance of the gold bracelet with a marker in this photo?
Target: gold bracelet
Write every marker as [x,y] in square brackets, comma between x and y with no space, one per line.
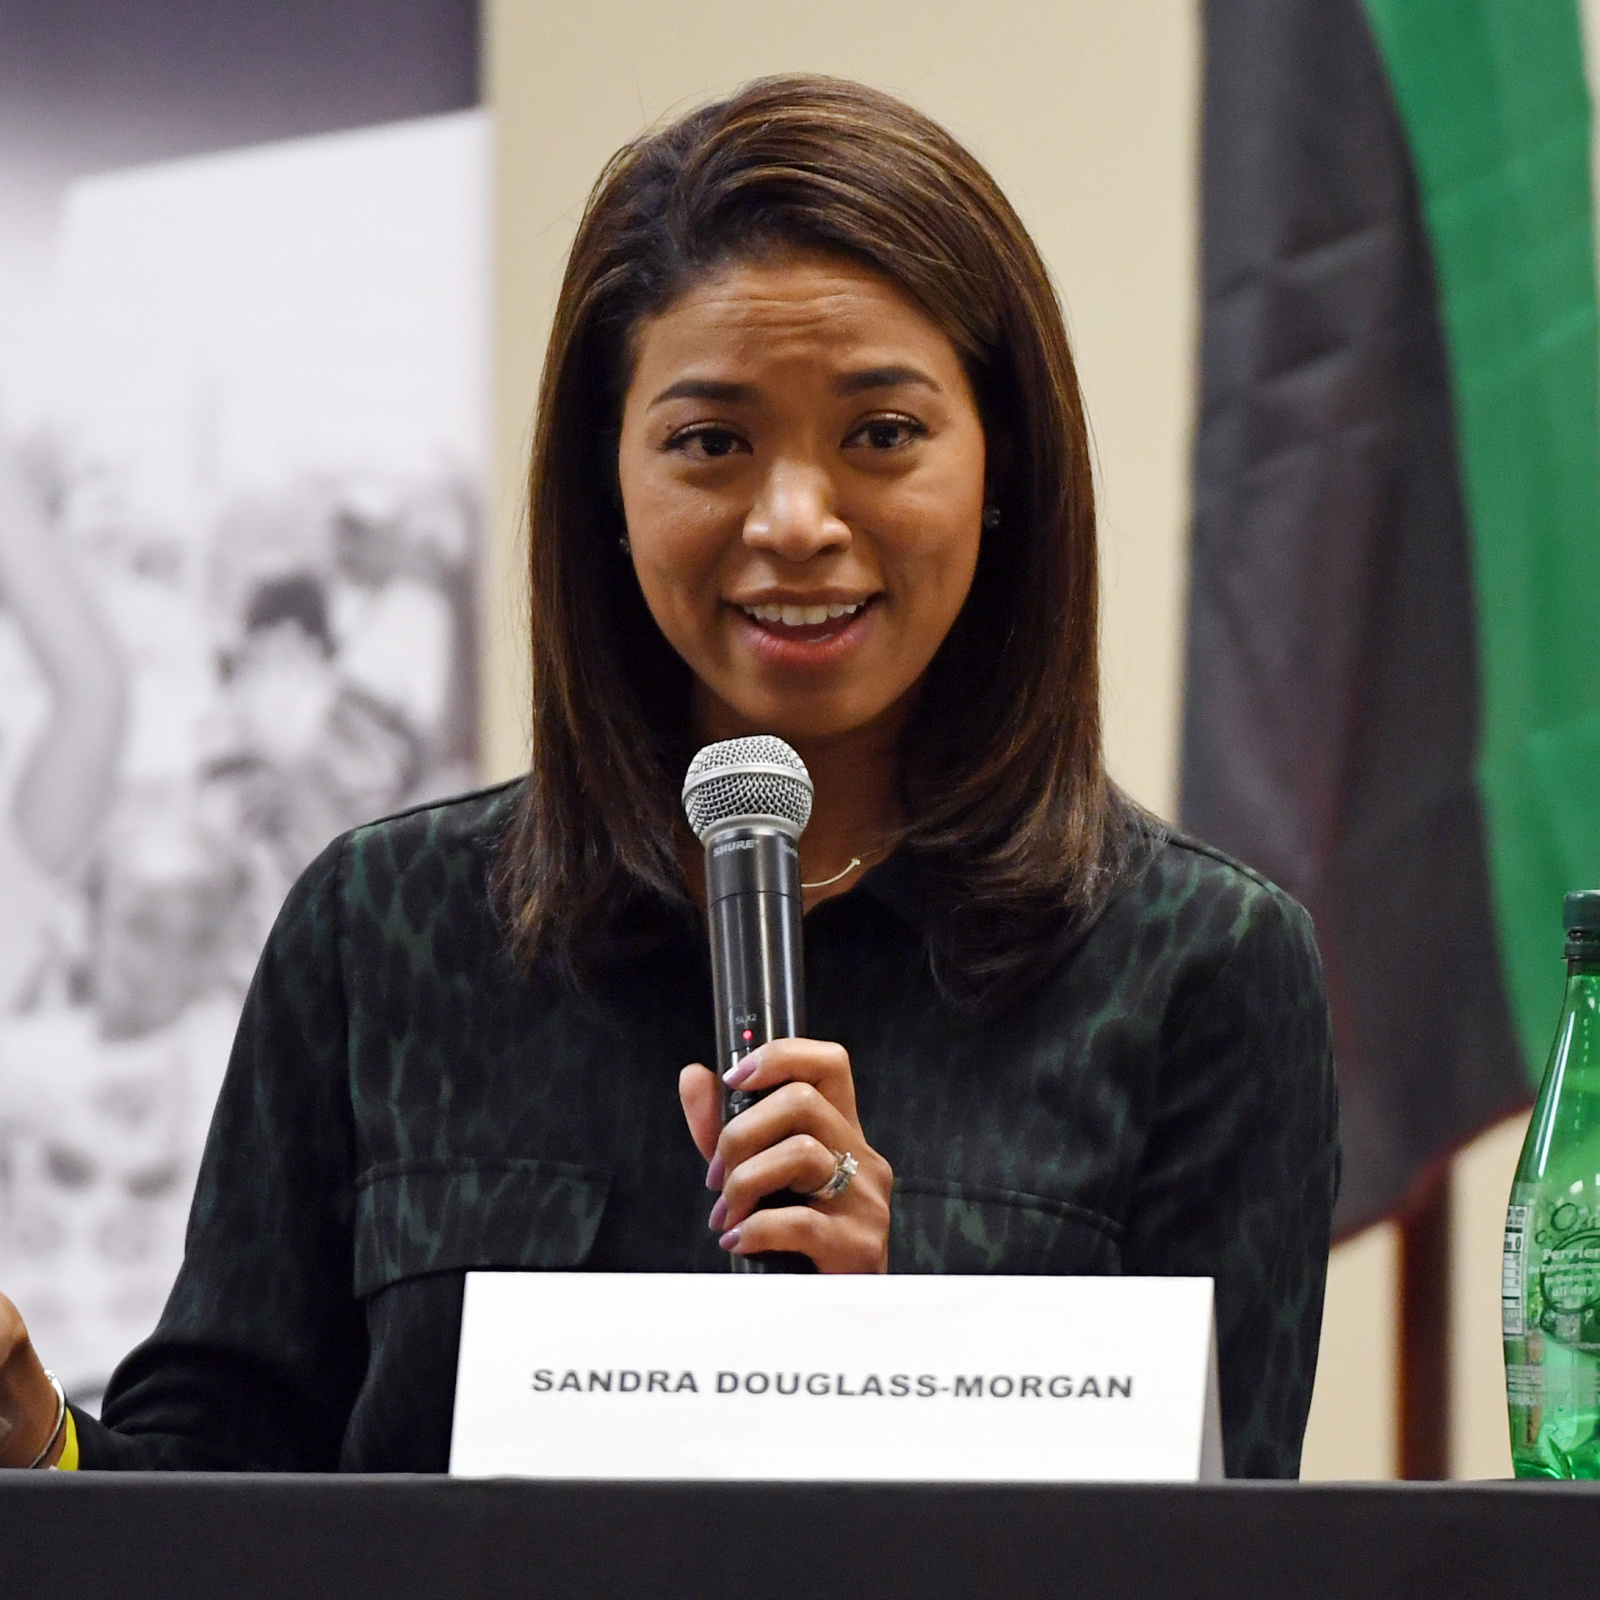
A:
[61,1421]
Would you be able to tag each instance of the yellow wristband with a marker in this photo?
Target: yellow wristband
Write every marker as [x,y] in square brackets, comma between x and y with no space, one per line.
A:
[69,1451]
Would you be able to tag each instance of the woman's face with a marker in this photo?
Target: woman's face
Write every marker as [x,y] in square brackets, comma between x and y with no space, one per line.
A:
[802,471]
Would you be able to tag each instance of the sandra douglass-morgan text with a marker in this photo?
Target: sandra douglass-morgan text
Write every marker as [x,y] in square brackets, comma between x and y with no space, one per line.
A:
[896,1386]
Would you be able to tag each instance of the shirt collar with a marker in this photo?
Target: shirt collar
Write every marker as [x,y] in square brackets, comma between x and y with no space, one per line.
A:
[650,920]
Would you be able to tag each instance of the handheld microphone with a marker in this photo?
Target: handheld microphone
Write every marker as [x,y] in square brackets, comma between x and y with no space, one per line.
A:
[748,801]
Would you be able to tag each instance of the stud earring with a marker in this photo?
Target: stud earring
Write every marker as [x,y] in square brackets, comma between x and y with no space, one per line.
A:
[991,516]
[624,546]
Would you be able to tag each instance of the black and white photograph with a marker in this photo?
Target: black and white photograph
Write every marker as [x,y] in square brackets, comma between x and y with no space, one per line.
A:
[242,452]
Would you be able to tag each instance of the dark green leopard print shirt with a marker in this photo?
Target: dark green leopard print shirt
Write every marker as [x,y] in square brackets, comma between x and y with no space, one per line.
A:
[403,1104]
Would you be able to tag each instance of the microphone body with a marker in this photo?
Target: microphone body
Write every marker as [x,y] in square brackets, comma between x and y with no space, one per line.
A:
[748,800]
[757,968]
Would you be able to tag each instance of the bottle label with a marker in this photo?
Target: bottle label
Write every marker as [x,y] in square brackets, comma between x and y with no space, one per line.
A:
[1537,1387]
[1550,1271]
[1513,1274]
[1569,1281]
[1525,1385]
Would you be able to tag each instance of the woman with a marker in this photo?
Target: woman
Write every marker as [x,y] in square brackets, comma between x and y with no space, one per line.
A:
[810,460]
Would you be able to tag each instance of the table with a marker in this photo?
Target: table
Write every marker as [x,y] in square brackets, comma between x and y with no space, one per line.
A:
[103,1536]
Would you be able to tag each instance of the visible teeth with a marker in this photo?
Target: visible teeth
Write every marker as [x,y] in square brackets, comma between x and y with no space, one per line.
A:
[801,616]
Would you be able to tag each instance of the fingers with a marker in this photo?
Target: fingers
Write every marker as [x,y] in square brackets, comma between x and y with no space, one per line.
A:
[702,1107]
[851,1240]
[801,1164]
[826,1067]
[786,1141]
[795,1108]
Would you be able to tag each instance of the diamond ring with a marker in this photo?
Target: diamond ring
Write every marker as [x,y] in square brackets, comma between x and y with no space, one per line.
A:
[845,1167]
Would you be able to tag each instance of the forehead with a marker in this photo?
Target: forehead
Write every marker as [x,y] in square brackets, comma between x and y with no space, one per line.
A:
[793,305]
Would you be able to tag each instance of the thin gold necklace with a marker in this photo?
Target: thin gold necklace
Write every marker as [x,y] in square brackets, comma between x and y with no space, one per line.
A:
[855,861]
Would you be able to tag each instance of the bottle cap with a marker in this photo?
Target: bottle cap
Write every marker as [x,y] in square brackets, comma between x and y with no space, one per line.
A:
[1583,911]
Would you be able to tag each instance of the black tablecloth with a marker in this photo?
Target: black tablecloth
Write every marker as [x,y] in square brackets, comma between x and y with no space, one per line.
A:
[94,1536]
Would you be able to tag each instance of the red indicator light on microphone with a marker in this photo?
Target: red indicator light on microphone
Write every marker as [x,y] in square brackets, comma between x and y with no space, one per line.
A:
[748,1036]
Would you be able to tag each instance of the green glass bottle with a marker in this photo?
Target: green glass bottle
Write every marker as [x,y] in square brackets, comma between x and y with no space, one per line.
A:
[1550,1277]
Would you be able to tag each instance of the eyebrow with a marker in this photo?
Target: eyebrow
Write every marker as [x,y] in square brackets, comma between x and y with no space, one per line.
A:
[706,389]
[882,378]
[743,393]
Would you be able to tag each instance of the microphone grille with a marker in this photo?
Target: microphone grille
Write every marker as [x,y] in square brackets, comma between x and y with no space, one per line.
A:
[756,777]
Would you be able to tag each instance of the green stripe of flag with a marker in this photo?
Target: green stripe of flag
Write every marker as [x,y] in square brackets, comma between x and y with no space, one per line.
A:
[1493,97]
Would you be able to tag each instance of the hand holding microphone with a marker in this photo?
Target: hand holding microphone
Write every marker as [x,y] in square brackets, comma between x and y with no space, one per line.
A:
[785,1143]
[802,1190]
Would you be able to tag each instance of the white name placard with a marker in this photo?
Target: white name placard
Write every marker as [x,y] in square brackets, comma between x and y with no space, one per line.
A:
[599,1375]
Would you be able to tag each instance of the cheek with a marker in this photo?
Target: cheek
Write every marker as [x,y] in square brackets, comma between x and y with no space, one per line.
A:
[676,534]
[940,537]
[675,556]
[675,552]
[939,556]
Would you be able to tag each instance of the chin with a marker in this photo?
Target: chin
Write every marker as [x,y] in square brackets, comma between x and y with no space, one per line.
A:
[813,724]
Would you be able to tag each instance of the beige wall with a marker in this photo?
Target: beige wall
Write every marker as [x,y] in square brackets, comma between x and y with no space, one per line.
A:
[1086,112]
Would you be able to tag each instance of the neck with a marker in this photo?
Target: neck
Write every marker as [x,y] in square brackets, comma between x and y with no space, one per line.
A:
[856,812]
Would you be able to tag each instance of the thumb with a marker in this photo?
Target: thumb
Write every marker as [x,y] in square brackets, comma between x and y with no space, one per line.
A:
[701,1095]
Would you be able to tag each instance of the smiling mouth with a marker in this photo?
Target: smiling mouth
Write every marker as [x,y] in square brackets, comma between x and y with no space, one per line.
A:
[797,617]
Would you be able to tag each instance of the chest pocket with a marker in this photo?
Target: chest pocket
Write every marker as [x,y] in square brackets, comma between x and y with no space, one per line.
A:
[967,1228]
[414,1217]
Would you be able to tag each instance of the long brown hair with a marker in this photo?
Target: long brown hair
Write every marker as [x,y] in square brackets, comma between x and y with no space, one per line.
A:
[1013,822]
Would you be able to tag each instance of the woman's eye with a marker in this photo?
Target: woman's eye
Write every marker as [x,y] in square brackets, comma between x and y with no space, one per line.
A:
[887,433]
[707,444]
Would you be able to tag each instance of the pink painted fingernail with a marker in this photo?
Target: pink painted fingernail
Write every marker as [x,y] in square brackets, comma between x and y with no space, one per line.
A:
[730,1240]
[719,1213]
[739,1071]
[715,1173]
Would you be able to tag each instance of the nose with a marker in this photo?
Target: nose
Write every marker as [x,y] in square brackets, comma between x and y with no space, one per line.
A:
[793,516]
